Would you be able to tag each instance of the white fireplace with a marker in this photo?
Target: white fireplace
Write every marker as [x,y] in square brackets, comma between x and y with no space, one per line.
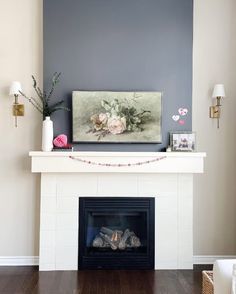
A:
[64,180]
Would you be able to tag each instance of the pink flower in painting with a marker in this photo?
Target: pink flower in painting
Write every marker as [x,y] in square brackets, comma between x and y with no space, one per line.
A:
[116,125]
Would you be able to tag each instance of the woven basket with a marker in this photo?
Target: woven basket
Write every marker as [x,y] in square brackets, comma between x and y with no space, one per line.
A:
[207,282]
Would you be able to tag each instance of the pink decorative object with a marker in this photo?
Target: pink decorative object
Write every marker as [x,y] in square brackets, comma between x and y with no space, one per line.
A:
[60,141]
[183,111]
[181,122]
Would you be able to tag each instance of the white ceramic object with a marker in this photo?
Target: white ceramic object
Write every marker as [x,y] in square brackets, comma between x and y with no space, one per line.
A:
[47,134]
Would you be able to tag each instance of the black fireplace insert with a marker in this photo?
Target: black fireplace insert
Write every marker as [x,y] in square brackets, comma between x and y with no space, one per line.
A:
[116,232]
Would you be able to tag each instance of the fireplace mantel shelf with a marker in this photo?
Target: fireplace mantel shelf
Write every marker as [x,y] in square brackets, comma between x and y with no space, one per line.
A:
[115,154]
[174,162]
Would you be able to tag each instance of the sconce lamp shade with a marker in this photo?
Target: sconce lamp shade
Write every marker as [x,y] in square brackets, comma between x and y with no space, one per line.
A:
[15,88]
[219,91]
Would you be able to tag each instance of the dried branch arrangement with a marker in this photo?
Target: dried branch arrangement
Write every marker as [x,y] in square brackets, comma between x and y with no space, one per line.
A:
[116,239]
[43,101]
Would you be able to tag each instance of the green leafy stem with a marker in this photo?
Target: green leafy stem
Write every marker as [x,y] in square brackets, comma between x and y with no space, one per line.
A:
[43,101]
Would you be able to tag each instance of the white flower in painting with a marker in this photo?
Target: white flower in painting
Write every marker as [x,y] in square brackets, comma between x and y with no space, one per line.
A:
[103,118]
[99,121]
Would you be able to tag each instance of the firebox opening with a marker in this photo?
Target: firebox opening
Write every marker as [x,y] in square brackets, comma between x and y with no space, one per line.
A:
[116,233]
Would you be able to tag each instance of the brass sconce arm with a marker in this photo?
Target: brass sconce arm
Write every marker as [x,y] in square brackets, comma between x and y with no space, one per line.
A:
[17,108]
[215,110]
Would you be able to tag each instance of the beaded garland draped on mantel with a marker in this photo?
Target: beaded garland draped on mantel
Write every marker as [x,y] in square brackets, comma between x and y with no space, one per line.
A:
[118,164]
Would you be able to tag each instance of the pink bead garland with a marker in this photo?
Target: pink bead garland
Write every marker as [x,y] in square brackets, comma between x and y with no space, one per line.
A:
[117,164]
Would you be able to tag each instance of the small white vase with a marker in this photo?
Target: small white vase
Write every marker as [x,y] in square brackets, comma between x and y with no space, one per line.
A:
[47,134]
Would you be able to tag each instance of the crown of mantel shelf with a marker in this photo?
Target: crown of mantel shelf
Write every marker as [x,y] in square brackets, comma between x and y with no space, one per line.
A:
[115,154]
[61,162]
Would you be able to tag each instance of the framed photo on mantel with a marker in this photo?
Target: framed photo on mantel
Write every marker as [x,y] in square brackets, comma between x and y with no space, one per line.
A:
[116,117]
[183,141]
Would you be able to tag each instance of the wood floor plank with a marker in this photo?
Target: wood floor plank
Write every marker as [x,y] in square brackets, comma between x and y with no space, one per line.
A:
[28,280]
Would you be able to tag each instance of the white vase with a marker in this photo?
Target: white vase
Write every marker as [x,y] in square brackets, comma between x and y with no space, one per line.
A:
[47,134]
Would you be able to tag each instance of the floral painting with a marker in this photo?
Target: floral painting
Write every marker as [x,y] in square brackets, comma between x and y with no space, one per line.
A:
[117,117]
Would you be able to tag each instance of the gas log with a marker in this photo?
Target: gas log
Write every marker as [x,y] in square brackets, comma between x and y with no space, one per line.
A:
[116,239]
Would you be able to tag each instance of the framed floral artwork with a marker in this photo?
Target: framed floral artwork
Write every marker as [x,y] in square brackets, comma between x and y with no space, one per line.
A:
[116,117]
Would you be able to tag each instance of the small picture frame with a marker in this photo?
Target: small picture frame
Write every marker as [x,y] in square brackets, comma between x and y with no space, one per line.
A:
[183,141]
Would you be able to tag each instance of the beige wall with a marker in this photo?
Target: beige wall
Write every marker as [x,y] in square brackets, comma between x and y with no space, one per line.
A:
[20,56]
[214,61]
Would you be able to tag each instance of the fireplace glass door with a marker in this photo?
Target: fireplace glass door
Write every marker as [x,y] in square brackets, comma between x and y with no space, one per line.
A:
[116,232]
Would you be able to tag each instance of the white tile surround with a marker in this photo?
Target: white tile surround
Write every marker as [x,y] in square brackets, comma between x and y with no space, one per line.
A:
[64,180]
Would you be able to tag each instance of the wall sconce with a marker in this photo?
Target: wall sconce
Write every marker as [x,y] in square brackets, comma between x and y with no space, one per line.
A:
[218,93]
[17,109]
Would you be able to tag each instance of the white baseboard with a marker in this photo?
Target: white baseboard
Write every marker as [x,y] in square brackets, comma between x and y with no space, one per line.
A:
[34,260]
[19,260]
[210,259]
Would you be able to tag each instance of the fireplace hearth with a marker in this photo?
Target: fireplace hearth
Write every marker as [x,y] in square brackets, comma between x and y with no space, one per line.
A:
[116,233]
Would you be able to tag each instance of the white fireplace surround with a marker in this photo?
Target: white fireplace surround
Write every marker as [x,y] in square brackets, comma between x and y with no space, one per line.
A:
[64,180]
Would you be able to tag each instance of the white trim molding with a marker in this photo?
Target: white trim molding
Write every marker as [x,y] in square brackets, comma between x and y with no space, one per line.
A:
[19,260]
[34,260]
[210,259]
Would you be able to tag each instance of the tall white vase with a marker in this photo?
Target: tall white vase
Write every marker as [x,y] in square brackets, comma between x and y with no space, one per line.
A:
[47,134]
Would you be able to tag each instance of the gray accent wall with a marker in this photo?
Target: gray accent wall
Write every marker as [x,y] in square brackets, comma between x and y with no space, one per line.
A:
[121,45]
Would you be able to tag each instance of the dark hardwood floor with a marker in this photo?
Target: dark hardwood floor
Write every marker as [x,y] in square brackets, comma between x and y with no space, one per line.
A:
[22,280]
